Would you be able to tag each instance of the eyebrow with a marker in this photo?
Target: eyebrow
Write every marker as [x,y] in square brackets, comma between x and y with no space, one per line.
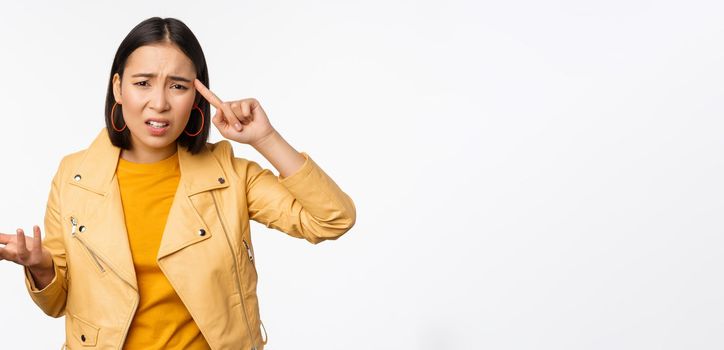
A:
[152,75]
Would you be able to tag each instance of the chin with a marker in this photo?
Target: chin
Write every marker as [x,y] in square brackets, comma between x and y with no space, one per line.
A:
[160,142]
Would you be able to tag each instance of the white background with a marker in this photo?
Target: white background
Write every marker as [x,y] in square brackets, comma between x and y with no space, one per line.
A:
[527,174]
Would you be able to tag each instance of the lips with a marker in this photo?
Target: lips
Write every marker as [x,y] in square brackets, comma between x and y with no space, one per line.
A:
[157,123]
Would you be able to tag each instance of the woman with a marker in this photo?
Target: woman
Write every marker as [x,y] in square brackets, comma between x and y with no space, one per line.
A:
[147,230]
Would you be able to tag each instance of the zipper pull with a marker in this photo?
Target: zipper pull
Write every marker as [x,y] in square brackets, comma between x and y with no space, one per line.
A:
[74,222]
[248,251]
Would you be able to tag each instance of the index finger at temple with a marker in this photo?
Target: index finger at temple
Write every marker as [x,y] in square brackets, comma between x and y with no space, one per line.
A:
[207,94]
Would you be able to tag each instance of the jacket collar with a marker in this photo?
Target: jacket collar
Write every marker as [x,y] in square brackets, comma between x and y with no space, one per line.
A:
[106,234]
[199,172]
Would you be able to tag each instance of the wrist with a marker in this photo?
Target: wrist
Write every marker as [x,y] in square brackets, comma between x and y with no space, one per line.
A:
[42,276]
[44,266]
[266,140]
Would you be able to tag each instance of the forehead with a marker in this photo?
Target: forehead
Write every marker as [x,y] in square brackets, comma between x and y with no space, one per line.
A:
[159,58]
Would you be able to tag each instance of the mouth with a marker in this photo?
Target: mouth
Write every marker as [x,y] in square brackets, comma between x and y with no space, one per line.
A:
[157,123]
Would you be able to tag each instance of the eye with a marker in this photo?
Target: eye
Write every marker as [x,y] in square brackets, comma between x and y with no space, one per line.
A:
[180,87]
[141,83]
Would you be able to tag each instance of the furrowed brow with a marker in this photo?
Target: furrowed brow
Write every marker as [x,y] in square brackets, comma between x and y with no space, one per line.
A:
[152,75]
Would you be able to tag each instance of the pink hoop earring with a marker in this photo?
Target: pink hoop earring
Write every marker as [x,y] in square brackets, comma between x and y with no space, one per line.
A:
[113,117]
[202,123]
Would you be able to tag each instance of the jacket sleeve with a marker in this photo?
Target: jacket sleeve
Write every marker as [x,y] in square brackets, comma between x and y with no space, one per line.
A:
[307,204]
[52,298]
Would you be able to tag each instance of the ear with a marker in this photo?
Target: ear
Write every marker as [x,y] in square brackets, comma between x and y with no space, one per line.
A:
[117,88]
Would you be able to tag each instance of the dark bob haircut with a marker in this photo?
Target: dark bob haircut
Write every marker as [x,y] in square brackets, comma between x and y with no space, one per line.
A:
[153,31]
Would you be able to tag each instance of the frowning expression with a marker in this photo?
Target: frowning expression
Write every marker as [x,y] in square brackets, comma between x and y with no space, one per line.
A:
[156,94]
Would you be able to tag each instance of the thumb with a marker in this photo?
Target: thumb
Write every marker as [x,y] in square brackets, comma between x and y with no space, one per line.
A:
[218,119]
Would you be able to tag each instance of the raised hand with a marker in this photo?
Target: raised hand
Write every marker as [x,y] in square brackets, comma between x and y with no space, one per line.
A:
[243,120]
[26,251]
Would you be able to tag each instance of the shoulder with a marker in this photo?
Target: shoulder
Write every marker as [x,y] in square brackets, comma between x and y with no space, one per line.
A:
[223,151]
[70,161]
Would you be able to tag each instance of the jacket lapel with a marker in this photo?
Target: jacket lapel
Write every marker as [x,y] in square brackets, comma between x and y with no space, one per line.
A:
[102,210]
[199,173]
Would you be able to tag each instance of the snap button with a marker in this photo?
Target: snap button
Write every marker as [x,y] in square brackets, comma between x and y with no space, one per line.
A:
[82,337]
[81,229]
[202,232]
[221,180]
[76,177]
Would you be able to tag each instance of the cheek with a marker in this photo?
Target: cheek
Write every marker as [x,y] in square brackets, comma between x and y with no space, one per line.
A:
[185,100]
[184,105]
[133,101]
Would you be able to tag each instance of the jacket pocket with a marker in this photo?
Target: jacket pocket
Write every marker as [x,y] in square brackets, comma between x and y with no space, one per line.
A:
[84,332]
[74,230]
[250,256]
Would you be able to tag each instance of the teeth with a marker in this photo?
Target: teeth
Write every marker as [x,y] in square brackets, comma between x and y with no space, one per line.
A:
[156,124]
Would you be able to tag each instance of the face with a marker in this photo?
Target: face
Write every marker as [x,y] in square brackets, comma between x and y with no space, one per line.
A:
[157,95]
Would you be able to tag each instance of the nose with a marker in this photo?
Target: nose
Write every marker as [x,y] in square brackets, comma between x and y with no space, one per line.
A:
[159,100]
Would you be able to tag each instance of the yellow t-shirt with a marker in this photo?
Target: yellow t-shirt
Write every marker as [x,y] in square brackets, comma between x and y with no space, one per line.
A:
[161,320]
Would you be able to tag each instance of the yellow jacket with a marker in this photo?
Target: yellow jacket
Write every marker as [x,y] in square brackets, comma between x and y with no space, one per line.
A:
[206,250]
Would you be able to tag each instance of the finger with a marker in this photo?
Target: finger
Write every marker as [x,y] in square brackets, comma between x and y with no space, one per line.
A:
[207,94]
[37,240]
[5,238]
[237,107]
[231,117]
[21,243]
[246,108]
[3,254]
[246,113]
[219,120]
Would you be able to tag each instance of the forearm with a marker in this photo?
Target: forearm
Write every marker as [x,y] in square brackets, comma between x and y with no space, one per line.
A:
[48,289]
[280,154]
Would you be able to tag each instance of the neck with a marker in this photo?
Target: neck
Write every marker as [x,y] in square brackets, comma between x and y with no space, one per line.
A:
[148,155]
